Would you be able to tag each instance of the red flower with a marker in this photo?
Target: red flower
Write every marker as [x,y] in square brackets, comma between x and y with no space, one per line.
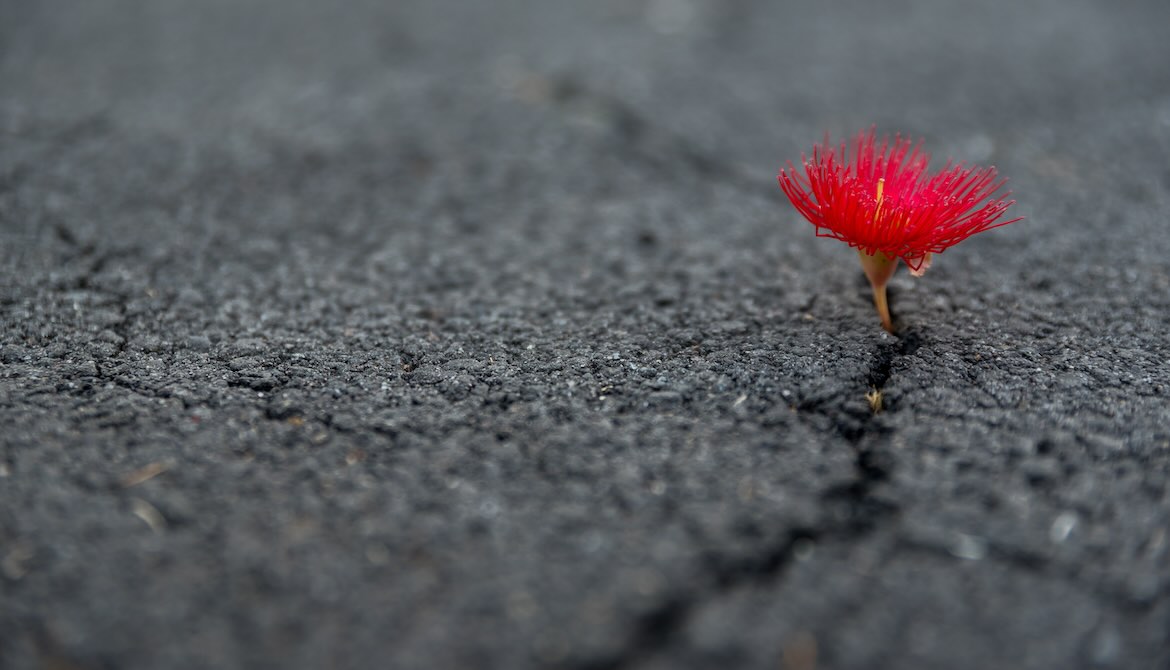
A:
[882,201]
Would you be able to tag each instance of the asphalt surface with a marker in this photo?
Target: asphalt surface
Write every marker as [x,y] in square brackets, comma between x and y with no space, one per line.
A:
[460,335]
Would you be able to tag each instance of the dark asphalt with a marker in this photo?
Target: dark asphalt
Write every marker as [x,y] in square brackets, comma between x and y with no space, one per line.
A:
[460,335]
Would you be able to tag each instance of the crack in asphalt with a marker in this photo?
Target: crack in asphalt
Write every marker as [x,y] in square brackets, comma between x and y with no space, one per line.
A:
[862,508]
[658,629]
[855,512]
[906,344]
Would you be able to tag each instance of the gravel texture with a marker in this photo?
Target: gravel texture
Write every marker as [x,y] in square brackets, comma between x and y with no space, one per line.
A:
[457,335]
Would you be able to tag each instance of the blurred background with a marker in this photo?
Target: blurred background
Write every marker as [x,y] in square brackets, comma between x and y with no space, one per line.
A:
[724,73]
[742,86]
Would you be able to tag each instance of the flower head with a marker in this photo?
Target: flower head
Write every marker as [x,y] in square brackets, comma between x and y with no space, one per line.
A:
[882,201]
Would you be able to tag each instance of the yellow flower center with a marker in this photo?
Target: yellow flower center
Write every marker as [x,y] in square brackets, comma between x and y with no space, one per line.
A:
[898,220]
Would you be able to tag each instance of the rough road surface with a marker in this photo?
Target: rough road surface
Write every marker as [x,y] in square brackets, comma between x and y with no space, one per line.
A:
[442,334]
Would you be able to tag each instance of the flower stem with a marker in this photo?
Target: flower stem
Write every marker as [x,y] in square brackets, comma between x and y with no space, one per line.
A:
[883,306]
[878,269]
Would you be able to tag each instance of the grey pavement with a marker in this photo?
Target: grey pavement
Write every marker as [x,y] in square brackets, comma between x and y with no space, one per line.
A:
[479,335]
